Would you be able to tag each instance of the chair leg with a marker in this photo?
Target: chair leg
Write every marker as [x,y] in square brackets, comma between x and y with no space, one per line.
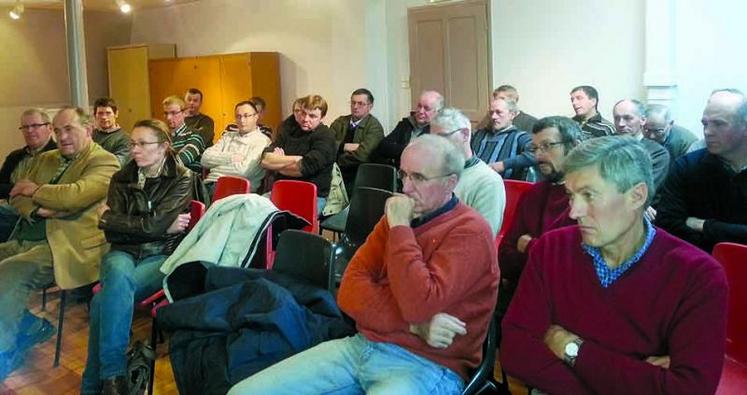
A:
[154,344]
[60,320]
[44,299]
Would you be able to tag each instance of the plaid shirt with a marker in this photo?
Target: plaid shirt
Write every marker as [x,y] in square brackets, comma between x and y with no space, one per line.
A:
[608,276]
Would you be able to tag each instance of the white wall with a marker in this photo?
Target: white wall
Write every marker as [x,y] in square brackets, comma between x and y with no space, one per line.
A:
[546,47]
[711,53]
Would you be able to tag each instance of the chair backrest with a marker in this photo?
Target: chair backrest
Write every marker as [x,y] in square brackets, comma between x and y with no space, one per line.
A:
[733,257]
[298,197]
[514,190]
[375,175]
[484,371]
[305,255]
[196,211]
[230,185]
[366,209]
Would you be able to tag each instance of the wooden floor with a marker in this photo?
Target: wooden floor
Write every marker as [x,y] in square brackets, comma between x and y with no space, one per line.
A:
[37,377]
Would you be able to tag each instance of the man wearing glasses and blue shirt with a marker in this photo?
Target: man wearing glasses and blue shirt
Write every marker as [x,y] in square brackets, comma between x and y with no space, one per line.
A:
[421,290]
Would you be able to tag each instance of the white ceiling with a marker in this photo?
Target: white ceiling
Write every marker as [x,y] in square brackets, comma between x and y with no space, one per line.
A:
[100,5]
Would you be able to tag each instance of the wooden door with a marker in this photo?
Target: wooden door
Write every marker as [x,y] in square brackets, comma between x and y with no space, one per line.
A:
[128,83]
[449,54]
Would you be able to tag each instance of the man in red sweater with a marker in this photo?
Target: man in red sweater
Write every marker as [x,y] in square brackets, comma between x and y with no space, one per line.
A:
[422,290]
[615,305]
[545,205]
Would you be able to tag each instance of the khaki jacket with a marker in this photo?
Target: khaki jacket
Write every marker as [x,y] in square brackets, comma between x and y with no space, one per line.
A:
[75,239]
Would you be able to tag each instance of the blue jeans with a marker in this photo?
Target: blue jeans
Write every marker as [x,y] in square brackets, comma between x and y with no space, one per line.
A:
[124,280]
[353,365]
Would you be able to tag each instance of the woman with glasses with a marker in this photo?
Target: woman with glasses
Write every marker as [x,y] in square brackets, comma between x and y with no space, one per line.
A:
[143,219]
[238,153]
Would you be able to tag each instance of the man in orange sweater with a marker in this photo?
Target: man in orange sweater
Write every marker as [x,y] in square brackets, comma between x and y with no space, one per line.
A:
[422,290]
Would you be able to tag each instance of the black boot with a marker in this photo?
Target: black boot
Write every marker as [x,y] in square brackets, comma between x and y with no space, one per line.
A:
[115,386]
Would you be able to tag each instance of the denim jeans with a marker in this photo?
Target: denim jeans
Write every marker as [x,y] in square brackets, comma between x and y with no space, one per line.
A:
[124,280]
[353,365]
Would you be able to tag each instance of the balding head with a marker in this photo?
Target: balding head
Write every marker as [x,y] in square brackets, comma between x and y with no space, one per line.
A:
[725,126]
[629,117]
[429,104]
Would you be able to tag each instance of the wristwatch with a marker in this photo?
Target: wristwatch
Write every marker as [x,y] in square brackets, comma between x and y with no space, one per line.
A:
[570,351]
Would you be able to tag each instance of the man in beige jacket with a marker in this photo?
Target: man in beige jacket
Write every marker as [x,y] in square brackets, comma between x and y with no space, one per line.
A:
[57,238]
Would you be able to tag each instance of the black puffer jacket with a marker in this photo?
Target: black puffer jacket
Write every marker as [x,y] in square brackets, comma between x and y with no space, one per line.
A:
[139,218]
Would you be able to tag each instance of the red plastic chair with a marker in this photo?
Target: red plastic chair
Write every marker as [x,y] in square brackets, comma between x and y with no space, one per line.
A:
[298,197]
[230,185]
[733,258]
[514,190]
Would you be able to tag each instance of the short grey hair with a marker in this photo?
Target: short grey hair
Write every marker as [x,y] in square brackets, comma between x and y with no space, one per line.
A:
[452,157]
[742,107]
[639,107]
[439,104]
[656,110]
[450,118]
[37,111]
[621,160]
[512,105]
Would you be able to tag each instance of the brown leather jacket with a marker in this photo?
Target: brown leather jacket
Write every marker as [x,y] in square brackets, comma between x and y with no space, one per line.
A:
[138,218]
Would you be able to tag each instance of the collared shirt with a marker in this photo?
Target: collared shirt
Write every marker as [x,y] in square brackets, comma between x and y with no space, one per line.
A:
[354,124]
[471,162]
[426,218]
[608,276]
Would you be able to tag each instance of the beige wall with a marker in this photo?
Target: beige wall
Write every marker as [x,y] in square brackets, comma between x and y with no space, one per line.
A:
[322,43]
[33,65]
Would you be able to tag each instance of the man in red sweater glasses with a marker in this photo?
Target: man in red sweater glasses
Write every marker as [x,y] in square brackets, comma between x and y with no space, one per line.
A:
[544,206]
[615,305]
[422,290]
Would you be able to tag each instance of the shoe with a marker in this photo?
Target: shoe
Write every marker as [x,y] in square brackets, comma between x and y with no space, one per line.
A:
[10,361]
[115,386]
[39,332]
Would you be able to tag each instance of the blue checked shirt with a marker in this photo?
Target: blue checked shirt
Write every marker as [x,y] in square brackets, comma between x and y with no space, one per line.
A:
[608,276]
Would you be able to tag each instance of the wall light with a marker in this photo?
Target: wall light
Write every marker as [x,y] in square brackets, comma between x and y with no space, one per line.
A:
[17,11]
[124,6]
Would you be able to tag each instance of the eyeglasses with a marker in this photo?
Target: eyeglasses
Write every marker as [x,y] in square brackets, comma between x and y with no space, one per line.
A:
[358,103]
[141,144]
[242,116]
[544,147]
[33,126]
[417,177]
[656,131]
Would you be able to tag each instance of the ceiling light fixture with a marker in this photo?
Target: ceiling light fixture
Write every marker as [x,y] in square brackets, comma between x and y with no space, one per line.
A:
[124,6]
[17,11]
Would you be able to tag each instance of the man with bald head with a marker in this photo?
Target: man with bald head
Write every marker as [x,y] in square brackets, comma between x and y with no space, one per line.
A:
[57,238]
[704,199]
[660,127]
[630,117]
[421,290]
[416,124]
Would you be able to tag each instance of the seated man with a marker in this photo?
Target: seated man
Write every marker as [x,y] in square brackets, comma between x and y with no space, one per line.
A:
[704,200]
[196,120]
[107,133]
[522,120]
[238,153]
[416,124]
[421,289]
[545,205]
[305,150]
[357,135]
[630,118]
[58,238]
[660,127]
[37,133]
[615,305]
[585,102]
[502,145]
[261,105]
[479,186]
[36,128]
[185,141]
